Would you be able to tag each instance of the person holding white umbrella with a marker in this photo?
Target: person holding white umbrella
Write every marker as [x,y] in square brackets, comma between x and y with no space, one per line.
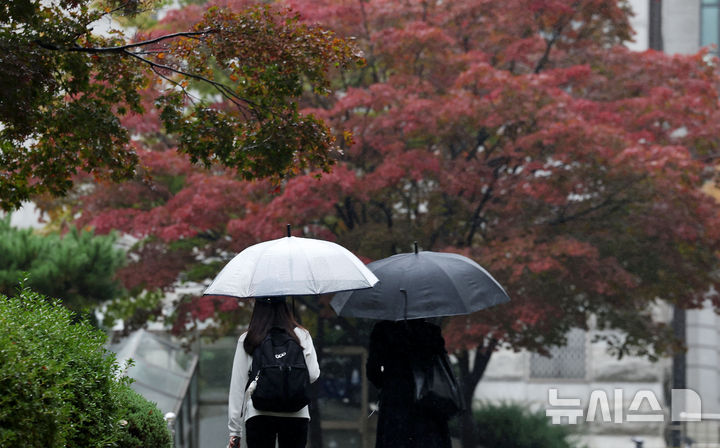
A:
[262,427]
[269,272]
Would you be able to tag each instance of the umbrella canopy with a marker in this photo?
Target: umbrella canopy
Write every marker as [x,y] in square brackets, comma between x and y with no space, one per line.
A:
[291,266]
[422,284]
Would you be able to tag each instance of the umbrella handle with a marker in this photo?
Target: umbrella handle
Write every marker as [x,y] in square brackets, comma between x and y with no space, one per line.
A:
[288,230]
[404,291]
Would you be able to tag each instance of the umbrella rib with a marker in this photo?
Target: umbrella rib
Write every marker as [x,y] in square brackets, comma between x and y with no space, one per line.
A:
[255,268]
[310,270]
[359,271]
[450,277]
[485,271]
[481,269]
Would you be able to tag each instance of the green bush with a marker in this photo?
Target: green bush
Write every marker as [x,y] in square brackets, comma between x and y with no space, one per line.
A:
[142,423]
[509,425]
[59,386]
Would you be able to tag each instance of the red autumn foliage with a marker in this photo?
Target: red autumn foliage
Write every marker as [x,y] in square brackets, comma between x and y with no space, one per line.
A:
[523,135]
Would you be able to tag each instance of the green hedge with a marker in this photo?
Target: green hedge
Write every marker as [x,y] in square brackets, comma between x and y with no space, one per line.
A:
[510,425]
[142,423]
[60,386]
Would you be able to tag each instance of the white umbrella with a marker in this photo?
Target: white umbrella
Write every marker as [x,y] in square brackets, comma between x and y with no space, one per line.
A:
[291,266]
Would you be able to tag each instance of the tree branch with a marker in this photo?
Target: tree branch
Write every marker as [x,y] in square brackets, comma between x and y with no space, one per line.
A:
[240,102]
[710,157]
[549,43]
[175,83]
[344,217]
[124,48]
[608,201]
[387,211]
[475,221]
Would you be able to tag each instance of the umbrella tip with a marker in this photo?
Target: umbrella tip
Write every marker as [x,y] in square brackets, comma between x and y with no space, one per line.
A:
[288,230]
[416,248]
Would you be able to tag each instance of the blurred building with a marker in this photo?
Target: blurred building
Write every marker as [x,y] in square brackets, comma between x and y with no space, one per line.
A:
[600,390]
[684,27]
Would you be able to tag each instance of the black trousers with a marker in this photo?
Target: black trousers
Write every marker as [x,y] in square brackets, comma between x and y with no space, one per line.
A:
[262,430]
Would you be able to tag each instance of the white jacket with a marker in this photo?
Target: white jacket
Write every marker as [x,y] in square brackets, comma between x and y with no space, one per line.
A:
[241,367]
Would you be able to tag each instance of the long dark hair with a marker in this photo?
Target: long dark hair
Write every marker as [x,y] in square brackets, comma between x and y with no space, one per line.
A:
[269,312]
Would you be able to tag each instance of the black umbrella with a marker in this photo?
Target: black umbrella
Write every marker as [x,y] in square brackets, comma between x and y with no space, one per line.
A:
[422,284]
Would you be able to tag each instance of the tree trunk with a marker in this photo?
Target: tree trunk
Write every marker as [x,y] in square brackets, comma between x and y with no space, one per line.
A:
[469,380]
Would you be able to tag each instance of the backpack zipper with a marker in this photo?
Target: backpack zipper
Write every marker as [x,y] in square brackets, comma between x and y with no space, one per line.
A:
[287,381]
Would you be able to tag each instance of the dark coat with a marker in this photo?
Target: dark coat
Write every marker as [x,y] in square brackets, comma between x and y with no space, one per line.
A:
[394,348]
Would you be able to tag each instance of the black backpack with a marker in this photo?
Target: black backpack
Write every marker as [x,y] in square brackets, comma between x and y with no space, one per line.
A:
[280,374]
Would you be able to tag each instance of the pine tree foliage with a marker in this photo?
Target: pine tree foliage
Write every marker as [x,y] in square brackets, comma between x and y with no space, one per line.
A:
[78,268]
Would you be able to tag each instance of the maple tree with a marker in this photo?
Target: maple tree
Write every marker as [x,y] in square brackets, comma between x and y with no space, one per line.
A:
[65,89]
[520,134]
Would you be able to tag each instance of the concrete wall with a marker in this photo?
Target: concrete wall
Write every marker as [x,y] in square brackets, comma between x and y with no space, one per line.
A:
[640,23]
[703,372]
[508,379]
[681,26]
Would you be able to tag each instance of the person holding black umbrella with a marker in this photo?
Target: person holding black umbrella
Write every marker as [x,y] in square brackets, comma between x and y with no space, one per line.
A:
[407,360]
[395,347]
